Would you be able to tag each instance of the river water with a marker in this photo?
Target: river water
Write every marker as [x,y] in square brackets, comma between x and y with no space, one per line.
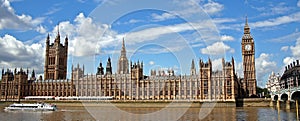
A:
[79,113]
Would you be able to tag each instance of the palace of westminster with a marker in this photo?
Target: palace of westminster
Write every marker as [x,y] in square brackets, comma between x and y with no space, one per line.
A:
[129,82]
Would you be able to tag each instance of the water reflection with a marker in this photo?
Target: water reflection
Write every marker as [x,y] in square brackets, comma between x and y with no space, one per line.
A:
[230,113]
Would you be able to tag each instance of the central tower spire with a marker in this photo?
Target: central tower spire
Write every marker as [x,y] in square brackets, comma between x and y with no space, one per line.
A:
[123,61]
[123,51]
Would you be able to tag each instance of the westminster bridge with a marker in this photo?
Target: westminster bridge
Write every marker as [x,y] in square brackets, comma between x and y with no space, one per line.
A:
[291,94]
[286,88]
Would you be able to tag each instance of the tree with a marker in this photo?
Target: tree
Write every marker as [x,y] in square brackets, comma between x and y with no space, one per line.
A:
[262,92]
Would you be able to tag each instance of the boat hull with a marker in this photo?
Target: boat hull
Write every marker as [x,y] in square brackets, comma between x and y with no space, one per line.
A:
[31,107]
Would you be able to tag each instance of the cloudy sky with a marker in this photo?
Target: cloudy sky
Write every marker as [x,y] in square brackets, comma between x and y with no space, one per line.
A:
[163,34]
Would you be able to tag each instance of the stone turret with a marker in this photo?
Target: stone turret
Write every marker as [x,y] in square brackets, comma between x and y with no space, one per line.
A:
[136,71]
[193,68]
[100,69]
[56,56]
[108,67]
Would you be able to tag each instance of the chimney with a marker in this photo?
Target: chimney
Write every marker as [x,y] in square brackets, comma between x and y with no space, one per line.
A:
[297,62]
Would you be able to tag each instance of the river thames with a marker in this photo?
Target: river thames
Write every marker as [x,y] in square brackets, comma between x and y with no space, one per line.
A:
[80,113]
[90,113]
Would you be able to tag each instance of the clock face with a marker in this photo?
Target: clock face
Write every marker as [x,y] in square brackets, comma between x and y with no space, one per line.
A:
[248,47]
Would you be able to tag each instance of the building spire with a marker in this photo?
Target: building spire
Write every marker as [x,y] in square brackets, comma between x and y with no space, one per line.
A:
[48,40]
[193,64]
[33,74]
[58,29]
[108,66]
[123,43]
[66,40]
[123,61]
[246,27]
[57,39]
[193,68]
[48,37]
[123,51]
[246,23]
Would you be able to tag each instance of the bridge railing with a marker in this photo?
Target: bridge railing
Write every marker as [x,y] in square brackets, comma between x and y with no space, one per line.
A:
[282,91]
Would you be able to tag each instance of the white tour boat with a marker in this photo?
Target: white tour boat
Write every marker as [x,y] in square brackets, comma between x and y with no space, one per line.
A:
[34,107]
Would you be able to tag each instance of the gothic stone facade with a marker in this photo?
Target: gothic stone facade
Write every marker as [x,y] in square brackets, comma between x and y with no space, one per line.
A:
[207,85]
[56,57]
[273,83]
[129,83]
[291,76]
[17,85]
[14,86]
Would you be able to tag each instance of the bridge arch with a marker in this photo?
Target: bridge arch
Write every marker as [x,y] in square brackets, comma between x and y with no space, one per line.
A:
[275,98]
[284,97]
[296,95]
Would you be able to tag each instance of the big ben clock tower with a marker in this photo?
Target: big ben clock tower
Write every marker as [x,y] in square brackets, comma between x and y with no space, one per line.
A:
[248,53]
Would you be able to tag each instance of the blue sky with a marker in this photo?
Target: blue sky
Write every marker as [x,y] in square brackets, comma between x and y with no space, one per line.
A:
[163,34]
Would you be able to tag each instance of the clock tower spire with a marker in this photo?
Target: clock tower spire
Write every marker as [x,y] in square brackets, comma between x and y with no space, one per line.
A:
[248,55]
[246,27]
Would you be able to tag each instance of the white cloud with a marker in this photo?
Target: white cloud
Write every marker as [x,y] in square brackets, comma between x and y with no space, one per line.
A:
[280,9]
[53,10]
[159,50]
[132,21]
[10,20]
[190,8]
[206,29]
[218,48]
[264,66]
[295,17]
[284,48]
[16,54]
[295,53]
[217,64]
[212,7]
[162,17]
[223,20]
[298,4]
[288,60]
[99,38]
[151,62]
[197,45]
[296,49]
[273,9]
[291,37]
[41,29]
[85,36]
[143,35]
[226,38]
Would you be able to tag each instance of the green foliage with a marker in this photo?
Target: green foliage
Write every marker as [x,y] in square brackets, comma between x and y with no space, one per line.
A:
[260,90]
